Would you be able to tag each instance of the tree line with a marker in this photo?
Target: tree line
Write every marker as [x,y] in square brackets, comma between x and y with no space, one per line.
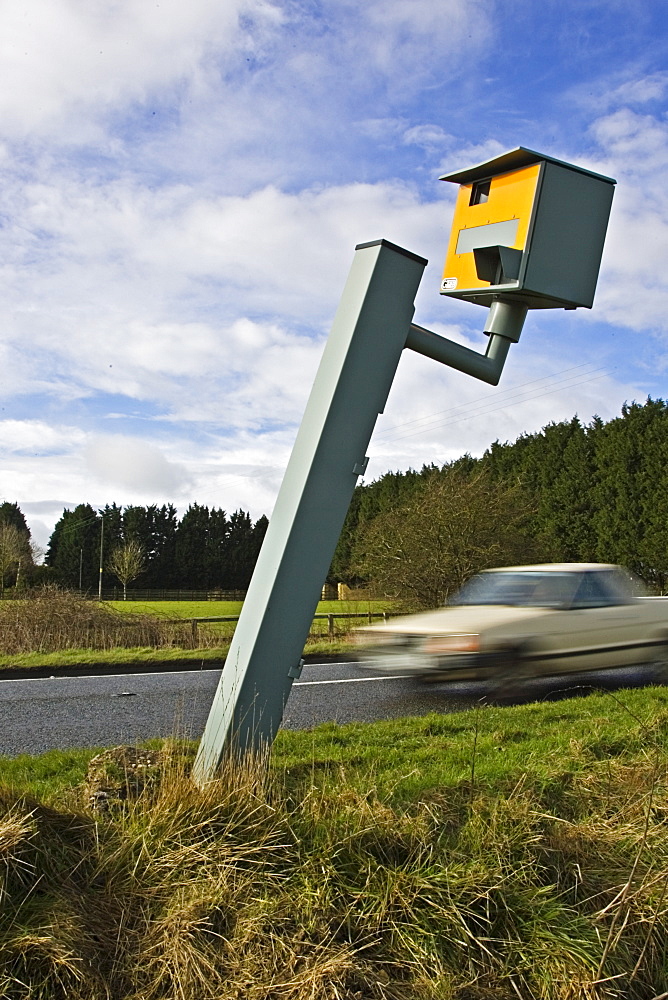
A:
[206,549]
[572,492]
[150,547]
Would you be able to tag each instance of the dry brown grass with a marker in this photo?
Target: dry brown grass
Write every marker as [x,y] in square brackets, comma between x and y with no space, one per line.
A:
[51,619]
[265,885]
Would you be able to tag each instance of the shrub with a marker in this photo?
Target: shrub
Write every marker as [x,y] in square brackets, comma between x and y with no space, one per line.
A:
[50,619]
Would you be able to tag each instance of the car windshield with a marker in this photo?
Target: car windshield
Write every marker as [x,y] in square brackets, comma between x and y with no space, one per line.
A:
[550,589]
[524,588]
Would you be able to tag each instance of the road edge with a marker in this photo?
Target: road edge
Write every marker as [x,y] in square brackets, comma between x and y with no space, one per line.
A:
[139,667]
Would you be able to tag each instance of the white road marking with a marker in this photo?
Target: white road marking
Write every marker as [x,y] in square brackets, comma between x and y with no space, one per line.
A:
[89,677]
[354,680]
[175,673]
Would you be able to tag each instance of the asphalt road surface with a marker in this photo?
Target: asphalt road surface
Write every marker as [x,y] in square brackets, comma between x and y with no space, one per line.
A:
[67,712]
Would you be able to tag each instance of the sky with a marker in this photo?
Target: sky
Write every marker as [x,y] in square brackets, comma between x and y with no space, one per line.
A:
[184,184]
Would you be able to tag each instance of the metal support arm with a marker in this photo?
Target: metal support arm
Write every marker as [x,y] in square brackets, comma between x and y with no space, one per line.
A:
[503,326]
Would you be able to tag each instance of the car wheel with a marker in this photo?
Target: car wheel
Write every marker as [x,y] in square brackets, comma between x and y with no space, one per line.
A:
[660,662]
[515,668]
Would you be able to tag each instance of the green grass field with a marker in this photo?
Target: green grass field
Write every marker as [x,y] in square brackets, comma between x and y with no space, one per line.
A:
[179,609]
[484,855]
[211,609]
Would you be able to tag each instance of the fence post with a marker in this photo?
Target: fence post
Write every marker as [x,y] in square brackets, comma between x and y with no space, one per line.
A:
[193,632]
[330,626]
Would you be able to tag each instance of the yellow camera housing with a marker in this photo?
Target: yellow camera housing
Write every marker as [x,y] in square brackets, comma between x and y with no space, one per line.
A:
[527,228]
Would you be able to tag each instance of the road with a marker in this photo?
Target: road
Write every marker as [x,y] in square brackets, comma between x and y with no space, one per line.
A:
[63,712]
[67,712]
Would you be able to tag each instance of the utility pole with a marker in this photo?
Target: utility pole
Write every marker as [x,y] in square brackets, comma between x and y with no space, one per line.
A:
[99,584]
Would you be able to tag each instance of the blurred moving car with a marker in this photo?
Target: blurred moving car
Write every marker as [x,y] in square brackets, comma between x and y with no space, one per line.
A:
[518,622]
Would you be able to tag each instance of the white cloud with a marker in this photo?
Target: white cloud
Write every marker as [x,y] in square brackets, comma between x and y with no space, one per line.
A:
[106,304]
[37,437]
[430,137]
[258,88]
[642,90]
[65,57]
[136,466]
[291,251]
[470,154]
[399,33]
[636,89]
[382,129]
[634,285]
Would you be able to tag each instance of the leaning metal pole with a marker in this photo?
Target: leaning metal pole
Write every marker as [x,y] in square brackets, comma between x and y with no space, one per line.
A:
[350,390]
[371,328]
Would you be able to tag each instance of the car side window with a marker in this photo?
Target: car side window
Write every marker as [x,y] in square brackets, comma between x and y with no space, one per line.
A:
[592,593]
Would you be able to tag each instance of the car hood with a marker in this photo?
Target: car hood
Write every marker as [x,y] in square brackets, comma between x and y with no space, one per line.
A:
[470,619]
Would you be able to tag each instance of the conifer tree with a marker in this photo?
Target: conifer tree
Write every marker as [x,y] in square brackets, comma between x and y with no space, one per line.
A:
[74,548]
[16,555]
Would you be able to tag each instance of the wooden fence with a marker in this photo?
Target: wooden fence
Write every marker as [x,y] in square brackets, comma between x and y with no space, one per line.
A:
[331,620]
[116,594]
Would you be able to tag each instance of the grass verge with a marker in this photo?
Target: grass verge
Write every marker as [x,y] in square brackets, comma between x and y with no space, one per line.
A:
[487,855]
[147,656]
